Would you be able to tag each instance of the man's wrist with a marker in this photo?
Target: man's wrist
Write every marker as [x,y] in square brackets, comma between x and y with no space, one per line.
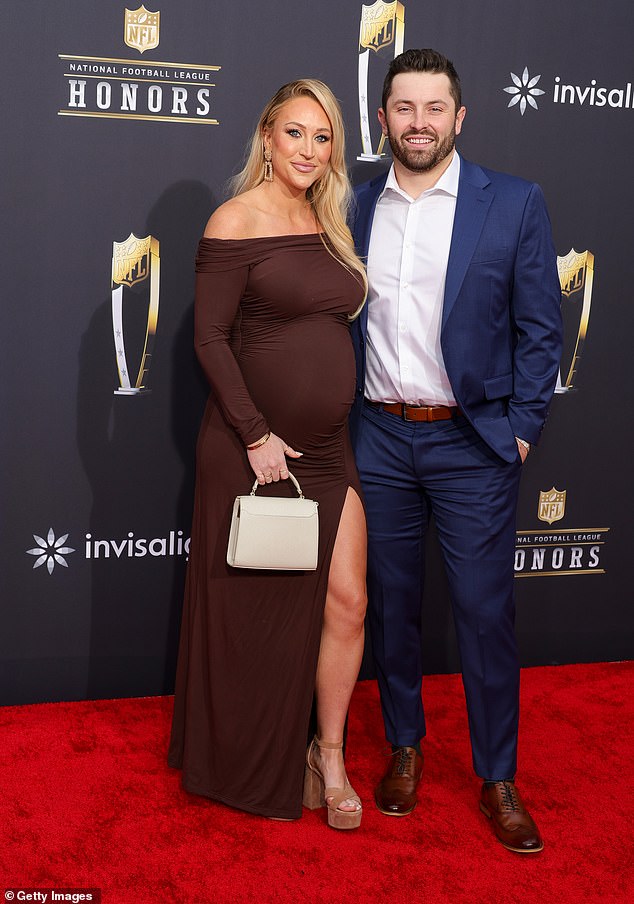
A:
[524,443]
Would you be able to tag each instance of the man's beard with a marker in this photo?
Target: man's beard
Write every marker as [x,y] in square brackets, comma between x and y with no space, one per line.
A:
[425,159]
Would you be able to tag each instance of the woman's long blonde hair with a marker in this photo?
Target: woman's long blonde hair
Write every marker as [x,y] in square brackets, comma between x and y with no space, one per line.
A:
[331,195]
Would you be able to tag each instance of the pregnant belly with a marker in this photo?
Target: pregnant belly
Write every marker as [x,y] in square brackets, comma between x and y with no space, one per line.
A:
[302,379]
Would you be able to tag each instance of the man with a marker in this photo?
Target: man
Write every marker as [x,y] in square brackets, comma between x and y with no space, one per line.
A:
[457,353]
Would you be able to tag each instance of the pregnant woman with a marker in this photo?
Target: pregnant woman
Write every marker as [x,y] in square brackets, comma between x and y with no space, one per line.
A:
[277,283]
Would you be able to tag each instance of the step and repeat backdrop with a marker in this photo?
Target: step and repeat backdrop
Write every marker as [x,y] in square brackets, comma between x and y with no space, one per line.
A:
[121,128]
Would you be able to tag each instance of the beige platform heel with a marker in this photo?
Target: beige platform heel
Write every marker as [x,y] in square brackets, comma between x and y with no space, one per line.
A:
[317,795]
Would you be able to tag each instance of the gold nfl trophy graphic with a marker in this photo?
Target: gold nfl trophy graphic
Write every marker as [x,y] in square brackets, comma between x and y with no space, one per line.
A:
[135,262]
[141,29]
[382,25]
[552,505]
[576,275]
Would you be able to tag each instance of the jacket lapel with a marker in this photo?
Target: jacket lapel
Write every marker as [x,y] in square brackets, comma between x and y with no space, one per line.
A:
[472,206]
[366,201]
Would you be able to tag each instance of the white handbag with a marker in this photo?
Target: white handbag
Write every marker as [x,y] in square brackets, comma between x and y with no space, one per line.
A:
[274,532]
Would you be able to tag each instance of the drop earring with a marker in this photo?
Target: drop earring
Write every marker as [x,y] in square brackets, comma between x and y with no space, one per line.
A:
[268,166]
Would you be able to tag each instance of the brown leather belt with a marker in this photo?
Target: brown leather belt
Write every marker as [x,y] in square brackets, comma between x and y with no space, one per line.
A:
[418,412]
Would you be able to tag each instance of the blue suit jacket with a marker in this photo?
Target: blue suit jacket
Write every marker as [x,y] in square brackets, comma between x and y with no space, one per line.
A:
[501,329]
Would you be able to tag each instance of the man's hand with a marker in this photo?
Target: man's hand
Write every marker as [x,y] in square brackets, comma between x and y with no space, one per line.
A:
[522,449]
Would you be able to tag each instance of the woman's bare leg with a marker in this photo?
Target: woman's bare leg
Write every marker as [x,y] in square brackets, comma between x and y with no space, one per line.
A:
[342,635]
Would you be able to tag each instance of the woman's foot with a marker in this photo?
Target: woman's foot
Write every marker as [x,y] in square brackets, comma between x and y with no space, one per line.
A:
[329,763]
[326,784]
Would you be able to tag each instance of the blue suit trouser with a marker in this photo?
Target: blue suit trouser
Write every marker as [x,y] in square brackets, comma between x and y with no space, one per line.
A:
[410,471]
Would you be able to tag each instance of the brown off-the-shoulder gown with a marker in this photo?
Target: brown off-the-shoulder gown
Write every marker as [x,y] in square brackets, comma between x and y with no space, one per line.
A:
[273,338]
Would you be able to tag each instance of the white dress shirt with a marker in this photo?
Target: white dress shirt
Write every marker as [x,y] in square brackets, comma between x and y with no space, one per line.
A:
[407,266]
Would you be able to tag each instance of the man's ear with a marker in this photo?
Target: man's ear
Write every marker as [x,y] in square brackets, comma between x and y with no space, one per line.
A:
[460,115]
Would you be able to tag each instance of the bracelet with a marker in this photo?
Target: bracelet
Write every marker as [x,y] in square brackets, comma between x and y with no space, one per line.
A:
[260,442]
[523,442]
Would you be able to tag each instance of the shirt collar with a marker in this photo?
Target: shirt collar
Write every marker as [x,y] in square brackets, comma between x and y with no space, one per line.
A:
[448,182]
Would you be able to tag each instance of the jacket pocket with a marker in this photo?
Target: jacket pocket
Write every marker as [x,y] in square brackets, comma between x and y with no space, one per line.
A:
[498,387]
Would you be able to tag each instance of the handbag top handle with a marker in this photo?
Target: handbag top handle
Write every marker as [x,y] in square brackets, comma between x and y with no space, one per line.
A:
[292,477]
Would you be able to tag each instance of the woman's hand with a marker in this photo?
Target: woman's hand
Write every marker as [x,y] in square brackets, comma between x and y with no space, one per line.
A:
[269,460]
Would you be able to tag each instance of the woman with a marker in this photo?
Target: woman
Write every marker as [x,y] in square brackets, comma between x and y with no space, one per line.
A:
[277,283]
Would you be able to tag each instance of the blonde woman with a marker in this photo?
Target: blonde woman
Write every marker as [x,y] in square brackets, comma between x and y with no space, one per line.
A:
[277,284]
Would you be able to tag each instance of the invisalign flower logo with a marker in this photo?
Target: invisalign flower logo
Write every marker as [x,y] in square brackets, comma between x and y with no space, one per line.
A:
[523,90]
[50,551]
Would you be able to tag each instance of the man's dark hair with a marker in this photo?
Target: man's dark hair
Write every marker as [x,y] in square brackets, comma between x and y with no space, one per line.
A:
[426,60]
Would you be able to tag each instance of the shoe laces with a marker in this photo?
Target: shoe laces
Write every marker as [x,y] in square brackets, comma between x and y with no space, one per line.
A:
[404,760]
[509,797]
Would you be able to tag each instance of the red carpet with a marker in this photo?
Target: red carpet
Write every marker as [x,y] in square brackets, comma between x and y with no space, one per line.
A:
[88,801]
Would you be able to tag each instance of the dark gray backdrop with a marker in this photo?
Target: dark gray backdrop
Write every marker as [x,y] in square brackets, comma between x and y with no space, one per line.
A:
[79,460]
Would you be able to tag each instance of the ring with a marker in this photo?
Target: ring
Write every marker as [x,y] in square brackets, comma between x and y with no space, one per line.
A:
[269,475]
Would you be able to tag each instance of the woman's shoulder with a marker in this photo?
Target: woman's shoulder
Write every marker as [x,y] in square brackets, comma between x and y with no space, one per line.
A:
[232,220]
[233,237]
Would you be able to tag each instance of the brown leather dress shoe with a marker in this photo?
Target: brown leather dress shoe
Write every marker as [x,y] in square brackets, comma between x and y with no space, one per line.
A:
[512,822]
[395,795]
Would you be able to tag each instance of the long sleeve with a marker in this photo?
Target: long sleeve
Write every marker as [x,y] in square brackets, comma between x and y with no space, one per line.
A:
[536,313]
[222,269]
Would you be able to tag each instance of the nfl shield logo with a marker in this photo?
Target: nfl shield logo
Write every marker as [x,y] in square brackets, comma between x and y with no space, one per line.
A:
[141,29]
[552,505]
[131,260]
[378,24]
